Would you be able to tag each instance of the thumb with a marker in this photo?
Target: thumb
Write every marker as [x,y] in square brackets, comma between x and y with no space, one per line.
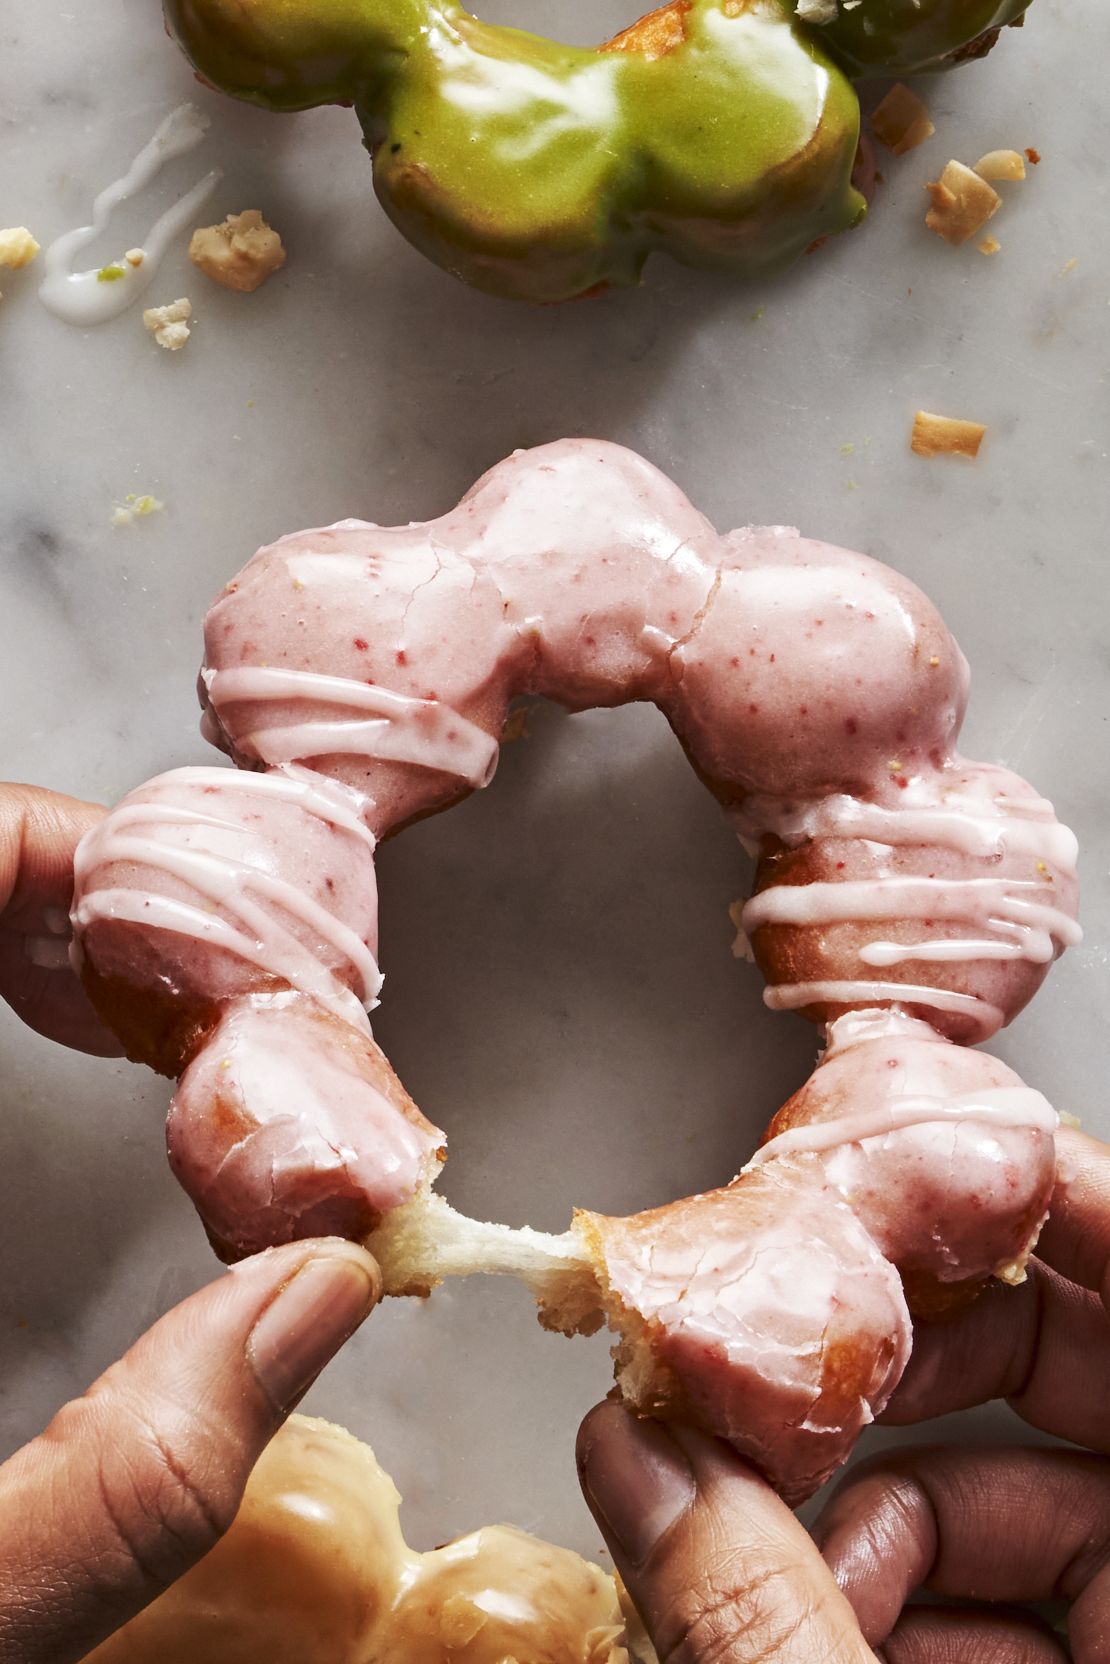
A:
[718,1567]
[134,1482]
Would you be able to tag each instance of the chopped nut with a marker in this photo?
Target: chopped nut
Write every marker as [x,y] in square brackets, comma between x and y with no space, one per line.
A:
[1032,156]
[168,324]
[901,121]
[1001,164]
[962,203]
[240,254]
[17,247]
[945,436]
[989,245]
[135,256]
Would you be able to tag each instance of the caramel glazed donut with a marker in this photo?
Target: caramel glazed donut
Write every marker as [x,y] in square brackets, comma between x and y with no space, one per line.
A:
[315,1570]
[723,132]
[906,901]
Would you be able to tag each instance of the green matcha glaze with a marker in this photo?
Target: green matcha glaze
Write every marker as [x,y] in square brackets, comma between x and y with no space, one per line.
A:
[541,171]
[900,37]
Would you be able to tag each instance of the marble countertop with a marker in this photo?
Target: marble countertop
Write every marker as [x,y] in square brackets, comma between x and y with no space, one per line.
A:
[560,991]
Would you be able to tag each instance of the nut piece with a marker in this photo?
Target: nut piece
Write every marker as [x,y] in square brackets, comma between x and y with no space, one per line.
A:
[962,203]
[945,436]
[168,324]
[901,121]
[240,254]
[17,247]
[1001,164]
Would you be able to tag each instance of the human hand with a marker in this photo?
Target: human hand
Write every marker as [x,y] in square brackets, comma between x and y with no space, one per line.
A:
[39,831]
[132,1484]
[721,1570]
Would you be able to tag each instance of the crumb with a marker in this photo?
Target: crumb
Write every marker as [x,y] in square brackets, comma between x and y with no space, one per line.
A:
[135,256]
[847,449]
[239,254]
[516,725]
[757,315]
[1001,164]
[1068,266]
[17,248]
[741,944]
[945,436]
[135,507]
[169,324]
[1032,156]
[901,121]
[962,203]
[989,245]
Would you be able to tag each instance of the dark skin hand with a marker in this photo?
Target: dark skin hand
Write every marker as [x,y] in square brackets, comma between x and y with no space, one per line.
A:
[132,1483]
[722,1571]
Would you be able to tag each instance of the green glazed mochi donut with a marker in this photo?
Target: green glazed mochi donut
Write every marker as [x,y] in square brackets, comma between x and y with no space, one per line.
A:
[721,131]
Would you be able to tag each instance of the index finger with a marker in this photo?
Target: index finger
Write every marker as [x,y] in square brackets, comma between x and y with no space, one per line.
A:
[39,832]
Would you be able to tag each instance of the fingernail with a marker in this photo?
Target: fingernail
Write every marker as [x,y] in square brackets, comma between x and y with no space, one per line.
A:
[636,1480]
[307,1323]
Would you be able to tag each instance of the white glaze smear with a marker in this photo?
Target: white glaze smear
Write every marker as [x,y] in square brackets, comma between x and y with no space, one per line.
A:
[388,726]
[84,297]
[1009,1108]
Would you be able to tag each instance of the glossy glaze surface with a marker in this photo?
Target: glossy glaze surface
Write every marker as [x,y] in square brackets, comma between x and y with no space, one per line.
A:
[719,131]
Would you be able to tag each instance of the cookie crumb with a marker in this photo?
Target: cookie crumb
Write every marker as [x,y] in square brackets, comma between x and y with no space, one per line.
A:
[240,254]
[169,324]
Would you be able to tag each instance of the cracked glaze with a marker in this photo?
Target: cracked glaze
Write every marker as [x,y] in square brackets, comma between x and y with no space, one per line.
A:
[905,898]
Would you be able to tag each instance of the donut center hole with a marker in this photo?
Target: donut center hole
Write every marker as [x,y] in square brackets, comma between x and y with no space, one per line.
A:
[561,996]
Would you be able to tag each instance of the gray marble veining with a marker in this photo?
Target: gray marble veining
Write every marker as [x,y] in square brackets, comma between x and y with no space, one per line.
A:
[560,992]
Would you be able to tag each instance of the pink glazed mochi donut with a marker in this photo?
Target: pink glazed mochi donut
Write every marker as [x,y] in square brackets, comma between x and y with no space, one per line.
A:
[906,900]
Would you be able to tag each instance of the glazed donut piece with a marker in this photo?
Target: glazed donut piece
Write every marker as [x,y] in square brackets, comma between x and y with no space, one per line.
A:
[720,132]
[315,1570]
[905,899]
[904,37]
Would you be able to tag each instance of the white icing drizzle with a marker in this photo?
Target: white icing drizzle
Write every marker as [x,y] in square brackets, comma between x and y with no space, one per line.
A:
[396,728]
[1027,929]
[1005,1107]
[255,932]
[1017,827]
[792,996]
[82,297]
